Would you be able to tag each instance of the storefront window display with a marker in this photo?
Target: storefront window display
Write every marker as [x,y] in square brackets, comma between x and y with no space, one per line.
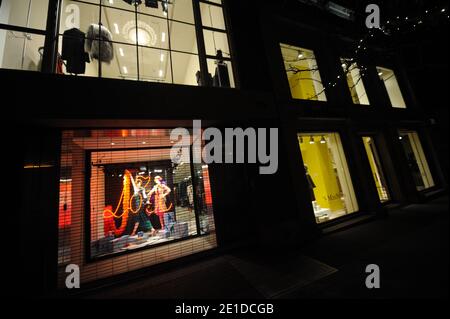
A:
[376,168]
[136,197]
[158,43]
[302,73]
[330,186]
[416,159]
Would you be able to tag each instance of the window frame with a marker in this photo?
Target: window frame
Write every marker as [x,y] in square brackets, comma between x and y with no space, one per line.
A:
[87,208]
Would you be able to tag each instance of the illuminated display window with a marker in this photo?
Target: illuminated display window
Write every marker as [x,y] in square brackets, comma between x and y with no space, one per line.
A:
[330,186]
[355,82]
[376,168]
[302,73]
[393,89]
[155,44]
[121,194]
[416,160]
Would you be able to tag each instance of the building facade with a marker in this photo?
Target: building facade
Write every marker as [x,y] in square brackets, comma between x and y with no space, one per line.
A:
[97,87]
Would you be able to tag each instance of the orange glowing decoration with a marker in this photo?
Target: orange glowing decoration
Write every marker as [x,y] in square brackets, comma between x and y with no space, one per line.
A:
[127,205]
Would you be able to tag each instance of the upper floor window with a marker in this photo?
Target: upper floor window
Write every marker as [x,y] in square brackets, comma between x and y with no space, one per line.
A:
[22,38]
[302,73]
[155,41]
[393,89]
[355,82]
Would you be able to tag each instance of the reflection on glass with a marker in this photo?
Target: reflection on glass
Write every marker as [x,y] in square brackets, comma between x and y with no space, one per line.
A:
[393,89]
[330,186]
[416,160]
[355,82]
[302,73]
[377,170]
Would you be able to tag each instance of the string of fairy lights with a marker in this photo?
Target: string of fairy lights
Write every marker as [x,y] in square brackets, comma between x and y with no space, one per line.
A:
[394,26]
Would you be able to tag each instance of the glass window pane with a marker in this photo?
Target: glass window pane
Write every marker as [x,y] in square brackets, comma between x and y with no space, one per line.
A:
[122,27]
[182,11]
[215,41]
[331,188]
[158,12]
[417,161]
[21,51]
[303,73]
[123,65]
[183,37]
[212,16]
[390,82]
[78,15]
[24,13]
[185,68]
[154,65]
[221,73]
[153,32]
[204,207]
[376,168]
[355,82]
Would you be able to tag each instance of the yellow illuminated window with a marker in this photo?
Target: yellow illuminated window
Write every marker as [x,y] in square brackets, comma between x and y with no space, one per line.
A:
[330,186]
[393,89]
[303,73]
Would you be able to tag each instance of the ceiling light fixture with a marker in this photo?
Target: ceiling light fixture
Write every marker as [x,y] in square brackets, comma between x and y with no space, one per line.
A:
[323,140]
[163,37]
[125,70]
[121,52]
[141,34]
[160,73]
[162,57]
[311,140]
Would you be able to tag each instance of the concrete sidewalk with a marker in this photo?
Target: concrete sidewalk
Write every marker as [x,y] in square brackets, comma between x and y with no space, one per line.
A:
[410,247]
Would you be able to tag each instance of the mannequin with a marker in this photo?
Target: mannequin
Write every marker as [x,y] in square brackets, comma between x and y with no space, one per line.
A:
[160,191]
[311,184]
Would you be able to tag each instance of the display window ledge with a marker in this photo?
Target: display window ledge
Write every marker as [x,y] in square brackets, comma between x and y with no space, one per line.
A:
[345,222]
[433,192]
[90,259]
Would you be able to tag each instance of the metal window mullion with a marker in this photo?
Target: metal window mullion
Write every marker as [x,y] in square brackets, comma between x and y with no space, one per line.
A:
[51,37]
[137,41]
[200,41]
[194,189]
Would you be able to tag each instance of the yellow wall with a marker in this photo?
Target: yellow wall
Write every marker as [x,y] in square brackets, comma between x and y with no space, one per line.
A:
[302,87]
[317,158]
